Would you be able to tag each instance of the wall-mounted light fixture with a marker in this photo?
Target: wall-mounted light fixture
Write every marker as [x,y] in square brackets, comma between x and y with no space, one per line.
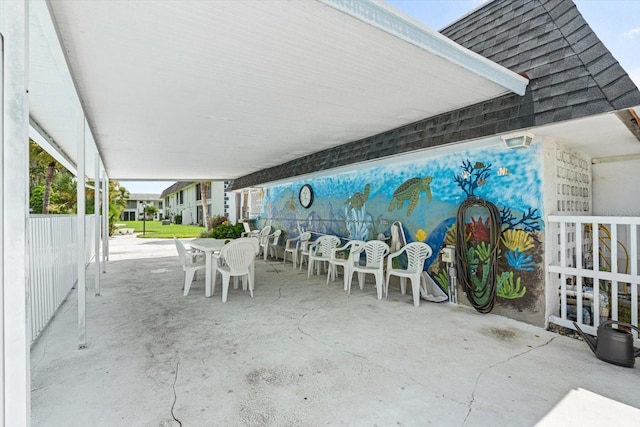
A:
[518,140]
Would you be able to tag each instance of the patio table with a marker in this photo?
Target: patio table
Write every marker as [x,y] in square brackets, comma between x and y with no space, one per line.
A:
[211,248]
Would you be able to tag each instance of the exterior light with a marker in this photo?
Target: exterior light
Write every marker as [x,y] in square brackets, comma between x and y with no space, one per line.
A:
[518,140]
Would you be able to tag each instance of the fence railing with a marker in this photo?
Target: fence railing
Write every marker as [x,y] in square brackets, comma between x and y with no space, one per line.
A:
[52,270]
[593,265]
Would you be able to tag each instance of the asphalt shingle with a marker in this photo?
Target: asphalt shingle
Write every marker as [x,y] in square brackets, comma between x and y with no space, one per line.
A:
[572,75]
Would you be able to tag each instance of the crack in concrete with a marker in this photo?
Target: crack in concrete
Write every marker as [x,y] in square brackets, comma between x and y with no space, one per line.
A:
[475,386]
[175,395]
[273,266]
[305,315]
[45,337]
[279,295]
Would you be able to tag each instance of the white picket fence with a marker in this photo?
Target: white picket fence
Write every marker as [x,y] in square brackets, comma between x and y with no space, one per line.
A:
[52,267]
[593,252]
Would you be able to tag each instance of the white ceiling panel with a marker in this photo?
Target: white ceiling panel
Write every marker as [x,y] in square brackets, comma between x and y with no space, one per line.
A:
[219,89]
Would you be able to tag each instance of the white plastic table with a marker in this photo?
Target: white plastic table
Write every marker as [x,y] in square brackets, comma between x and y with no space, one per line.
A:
[211,248]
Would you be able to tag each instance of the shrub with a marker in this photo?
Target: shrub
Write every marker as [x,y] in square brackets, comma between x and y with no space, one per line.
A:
[225,231]
[177,219]
[217,220]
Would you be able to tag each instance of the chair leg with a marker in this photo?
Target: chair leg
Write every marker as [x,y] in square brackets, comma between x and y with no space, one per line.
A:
[386,286]
[250,280]
[361,279]
[225,287]
[403,285]
[379,284]
[188,279]
[415,285]
[346,273]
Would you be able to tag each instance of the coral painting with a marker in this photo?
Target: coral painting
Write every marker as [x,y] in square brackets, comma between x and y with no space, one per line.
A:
[424,194]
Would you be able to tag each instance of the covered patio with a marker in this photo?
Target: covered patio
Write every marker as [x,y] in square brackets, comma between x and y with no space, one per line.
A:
[271,94]
[304,353]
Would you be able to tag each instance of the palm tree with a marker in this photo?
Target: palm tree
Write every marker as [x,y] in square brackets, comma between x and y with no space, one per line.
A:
[41,160]
[203,200]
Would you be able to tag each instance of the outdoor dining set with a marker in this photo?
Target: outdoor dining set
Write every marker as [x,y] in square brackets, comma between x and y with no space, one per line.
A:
[236,259]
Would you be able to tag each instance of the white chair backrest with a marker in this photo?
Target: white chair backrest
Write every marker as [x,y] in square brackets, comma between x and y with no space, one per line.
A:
[354,246]
[398,239]
[417,253]
[264,233]
[303,240]
[276,237]
[325,244]
[182,251]
[238,255]
[247,229]
[252,240]
[375,251]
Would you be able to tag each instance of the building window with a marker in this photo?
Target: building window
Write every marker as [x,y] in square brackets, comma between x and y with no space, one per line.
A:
[181,197]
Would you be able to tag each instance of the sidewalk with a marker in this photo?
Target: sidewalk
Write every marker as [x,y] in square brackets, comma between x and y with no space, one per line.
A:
[303,353]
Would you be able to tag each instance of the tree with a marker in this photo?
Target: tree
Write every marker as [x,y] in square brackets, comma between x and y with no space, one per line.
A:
[42,169]
[203,199]
[118,197]
[150,210]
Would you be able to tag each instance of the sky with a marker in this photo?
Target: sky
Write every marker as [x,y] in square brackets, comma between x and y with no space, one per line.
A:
[615,22]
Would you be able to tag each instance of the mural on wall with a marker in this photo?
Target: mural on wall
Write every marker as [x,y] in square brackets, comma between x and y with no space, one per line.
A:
[424,195]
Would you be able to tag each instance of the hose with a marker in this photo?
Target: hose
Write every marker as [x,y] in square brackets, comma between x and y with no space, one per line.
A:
[481,298]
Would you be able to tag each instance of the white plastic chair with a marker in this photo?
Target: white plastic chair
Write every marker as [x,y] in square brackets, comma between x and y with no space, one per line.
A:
[294,246]
[247,230]
[191,261]
[304,251]
[416,253]
[239,256]
[320,252]
[375,251]
[339,257]
[269,243]
[262,236]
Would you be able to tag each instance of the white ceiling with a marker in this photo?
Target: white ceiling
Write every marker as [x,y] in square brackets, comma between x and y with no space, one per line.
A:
[188,90]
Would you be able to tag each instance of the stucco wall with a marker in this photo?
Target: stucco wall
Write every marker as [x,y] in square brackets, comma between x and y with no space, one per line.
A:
[424,194]
[616,188]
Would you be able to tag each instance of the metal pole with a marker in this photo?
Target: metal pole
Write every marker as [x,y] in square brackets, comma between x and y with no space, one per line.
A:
[96,213]
[15,324]
[144,217]
[80,236]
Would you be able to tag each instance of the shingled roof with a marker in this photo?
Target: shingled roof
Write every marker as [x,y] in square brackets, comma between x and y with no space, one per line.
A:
[175,187]
[572,75]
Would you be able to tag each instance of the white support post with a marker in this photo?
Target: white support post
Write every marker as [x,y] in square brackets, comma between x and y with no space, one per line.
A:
[80,238]
[105,219]
[15,325]
[96,213]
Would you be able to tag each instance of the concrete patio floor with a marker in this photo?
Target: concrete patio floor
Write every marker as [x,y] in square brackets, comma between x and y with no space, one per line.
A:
[301,353]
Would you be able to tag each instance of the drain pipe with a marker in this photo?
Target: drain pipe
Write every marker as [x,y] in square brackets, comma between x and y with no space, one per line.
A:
[448,255]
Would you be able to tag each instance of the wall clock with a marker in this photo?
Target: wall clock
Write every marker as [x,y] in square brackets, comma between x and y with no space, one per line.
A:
[306,196]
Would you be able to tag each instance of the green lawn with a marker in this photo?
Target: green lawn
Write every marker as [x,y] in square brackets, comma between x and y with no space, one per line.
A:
[155,229]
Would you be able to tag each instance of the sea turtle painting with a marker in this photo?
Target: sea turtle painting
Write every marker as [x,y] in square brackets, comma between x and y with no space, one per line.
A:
[358,199]
[410,190]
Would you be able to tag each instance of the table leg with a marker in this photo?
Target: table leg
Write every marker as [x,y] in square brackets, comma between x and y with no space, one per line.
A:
[207,276]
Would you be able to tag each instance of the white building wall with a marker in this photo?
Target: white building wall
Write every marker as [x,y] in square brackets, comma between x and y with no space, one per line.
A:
[568,190]
[616,188]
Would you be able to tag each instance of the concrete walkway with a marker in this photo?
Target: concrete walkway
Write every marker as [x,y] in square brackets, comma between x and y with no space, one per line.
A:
[301,353]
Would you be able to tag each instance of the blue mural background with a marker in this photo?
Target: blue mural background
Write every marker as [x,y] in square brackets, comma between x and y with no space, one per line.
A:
[424,195]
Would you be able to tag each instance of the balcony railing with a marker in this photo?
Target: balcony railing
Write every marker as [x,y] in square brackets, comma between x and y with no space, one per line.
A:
[593,265]
[52,270]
